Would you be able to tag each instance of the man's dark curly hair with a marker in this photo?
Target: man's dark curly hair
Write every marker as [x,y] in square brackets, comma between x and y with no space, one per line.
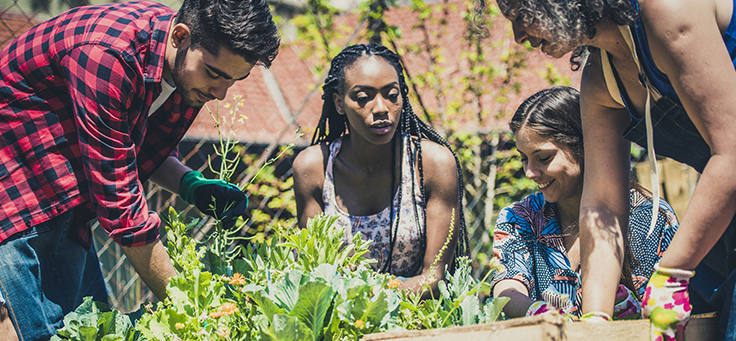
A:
[245,27]
[569,20]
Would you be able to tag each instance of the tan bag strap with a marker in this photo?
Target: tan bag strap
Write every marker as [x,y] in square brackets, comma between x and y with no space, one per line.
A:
[611,83]
[651,92]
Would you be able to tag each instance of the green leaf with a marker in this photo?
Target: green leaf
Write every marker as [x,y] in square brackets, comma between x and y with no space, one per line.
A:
[377,309]
[269,308]
[196,292]
[311,307]
[285,293]
[287,328]
[160,324]
[494,307]
[95,319]
[87,333]
[470,311]
[112,338]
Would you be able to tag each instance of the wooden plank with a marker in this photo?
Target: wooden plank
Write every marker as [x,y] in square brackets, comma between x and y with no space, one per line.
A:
[551,328]
[529,328]
[677,182]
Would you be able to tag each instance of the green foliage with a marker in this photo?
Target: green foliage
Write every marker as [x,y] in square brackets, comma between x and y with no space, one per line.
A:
[321,242]
[510,179]
[553,76]
[459,303]
[290,290]
[317,30]
[94,321]
[274,196]
[182,250]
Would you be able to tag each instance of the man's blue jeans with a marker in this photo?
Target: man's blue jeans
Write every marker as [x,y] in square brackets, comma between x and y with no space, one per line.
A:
[44,275]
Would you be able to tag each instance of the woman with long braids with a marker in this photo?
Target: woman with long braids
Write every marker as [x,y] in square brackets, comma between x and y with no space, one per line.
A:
[537,239]
[381,170]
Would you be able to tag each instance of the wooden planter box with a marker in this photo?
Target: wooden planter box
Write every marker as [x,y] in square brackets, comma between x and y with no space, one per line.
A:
[552,328]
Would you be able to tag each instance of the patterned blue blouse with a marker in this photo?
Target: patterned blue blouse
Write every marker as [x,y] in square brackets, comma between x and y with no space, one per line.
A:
[528,242]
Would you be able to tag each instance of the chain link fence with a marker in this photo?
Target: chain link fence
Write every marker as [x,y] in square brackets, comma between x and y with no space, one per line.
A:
[490,172]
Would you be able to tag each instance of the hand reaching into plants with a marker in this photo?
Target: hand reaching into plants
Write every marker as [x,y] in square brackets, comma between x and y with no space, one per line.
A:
[627,306]
[667,303]
[542,307]
[228,200]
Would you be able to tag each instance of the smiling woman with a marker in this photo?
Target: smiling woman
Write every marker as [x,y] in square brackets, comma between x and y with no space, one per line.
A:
[381,170]
[536,239]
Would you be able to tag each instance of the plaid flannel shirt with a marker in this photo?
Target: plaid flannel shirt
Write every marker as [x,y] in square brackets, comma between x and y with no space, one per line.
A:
[75,92]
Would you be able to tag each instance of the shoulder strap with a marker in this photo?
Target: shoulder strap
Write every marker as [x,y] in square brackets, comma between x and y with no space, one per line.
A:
[610,79]
[652,155]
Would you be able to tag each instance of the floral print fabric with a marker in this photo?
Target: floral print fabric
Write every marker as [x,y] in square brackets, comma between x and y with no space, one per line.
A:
[408,253]
[667,303]
[528,242]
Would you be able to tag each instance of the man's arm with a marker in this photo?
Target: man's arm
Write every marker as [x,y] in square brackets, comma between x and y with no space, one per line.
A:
[604,207]
[689,48]
[169,174]
[153,265]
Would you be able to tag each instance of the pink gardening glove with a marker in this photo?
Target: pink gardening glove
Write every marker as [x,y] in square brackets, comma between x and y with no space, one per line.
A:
[667,303]
[627,306]
[542,307]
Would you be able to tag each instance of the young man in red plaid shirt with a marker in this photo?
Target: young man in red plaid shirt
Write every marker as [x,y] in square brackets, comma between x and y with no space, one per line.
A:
[92,104]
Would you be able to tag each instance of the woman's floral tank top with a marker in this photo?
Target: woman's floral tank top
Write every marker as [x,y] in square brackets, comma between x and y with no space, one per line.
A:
[407,254]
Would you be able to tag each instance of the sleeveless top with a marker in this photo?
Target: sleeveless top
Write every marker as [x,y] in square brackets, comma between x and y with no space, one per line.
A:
[675,136]
[408,252]
[654,75]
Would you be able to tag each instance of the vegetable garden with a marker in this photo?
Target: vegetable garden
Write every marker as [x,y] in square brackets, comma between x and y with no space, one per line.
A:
[301,285]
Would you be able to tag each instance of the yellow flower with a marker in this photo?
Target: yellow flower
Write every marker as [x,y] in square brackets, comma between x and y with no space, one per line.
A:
[216,314]
[237,279]
[359,323]
[394,283]
[229,308]
[179,325]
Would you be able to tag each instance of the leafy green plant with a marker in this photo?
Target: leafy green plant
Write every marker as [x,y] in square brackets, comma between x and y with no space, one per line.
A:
[288,290]
[321,242]
[94,321]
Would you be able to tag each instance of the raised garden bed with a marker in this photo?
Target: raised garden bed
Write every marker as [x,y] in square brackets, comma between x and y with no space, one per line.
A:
[551,328]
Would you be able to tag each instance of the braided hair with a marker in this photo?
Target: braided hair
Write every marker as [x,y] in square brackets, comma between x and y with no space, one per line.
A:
[332,126]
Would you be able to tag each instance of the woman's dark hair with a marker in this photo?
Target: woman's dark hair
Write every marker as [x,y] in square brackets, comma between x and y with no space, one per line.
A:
[569,20]
[332,126]
[553,112]
[245,27]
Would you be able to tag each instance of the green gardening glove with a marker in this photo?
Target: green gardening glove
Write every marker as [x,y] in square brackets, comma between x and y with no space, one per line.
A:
[217,198]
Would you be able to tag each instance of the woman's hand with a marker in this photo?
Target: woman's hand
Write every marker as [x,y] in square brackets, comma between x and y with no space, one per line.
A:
[542,307]
[627,306]
[667,303]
